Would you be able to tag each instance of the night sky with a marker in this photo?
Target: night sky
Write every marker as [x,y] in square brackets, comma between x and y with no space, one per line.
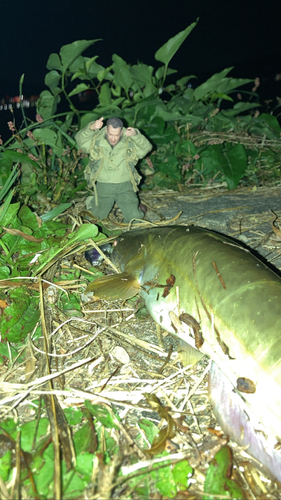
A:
[236,33]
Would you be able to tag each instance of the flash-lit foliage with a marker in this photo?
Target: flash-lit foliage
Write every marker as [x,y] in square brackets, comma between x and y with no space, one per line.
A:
[196,139]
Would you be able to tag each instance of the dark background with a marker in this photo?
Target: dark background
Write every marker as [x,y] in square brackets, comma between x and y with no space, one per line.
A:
[238,33]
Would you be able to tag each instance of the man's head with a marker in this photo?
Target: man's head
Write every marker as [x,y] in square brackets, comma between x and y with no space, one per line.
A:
[114,130]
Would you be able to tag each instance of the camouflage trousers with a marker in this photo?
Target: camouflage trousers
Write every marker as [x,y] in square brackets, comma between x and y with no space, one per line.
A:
[122,194]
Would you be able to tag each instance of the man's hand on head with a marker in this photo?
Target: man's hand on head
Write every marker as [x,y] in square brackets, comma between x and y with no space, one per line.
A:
[97,124]
[130,131]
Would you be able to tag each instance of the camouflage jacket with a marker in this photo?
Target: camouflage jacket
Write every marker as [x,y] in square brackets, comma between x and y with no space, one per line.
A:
[112,164]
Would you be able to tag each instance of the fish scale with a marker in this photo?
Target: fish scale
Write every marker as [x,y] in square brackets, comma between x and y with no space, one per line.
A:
[236,300]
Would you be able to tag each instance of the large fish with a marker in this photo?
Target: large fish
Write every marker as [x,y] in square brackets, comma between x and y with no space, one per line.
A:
[233,302]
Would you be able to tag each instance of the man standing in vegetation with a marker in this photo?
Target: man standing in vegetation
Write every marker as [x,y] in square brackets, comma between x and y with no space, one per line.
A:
[114,152]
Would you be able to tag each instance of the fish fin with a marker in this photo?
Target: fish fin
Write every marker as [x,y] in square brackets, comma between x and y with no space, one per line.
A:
[115,286]
[188,354]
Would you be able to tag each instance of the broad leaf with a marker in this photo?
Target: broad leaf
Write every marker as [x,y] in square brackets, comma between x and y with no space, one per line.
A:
[236,164]
[16,157]
[122,74]
[79,88]
[70,52]
[142,73]
[92,67]
[239,107]
[162,70]
[54,62]
[219,84]
[49,137]
[218,480]
[105,95]
[105,74]
[55,212]
[271,121]
[168,50]
[20,317]
[47,104]
[52,80]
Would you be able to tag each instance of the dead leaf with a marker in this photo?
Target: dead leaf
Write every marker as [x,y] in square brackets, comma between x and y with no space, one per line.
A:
[168,432]
[275,229]
[15,284]
[192,323]
[28,237]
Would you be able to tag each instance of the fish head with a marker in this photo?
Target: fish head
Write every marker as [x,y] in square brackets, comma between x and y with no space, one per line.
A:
[130,254]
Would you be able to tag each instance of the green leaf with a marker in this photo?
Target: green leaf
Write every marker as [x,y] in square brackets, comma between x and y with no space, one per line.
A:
[102,415]
[217,480]
[211,160]
[28,432]
[122,74]
[5,465]
[239,107]
[149,428]
[52,80]
[55,212]
[84,464]
[4,273]
[218,84]
[79,88]
[48,136]
[228,84]
[43,477]
[183,81]
[105,95]
[73,415]
[162,70]
[170,478]
[156,127]
[8,183]
[73,484]
[16,157]
[70,52]
[217,95]
[142,73]
[82,439]
[170,167]
[28,218]
[54,62]
[188,148]
[89,117]
[8,212]
[168,50]
[8,352]
[9,425]
[84,232]
[69,301]
[236,164]
[271,121]
[20,317]
[92,67]
[211,84]
[47,104]
[181,473]
[105,73]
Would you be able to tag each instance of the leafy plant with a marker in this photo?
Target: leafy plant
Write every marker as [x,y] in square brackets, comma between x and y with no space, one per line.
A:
[29,247]
[200,135]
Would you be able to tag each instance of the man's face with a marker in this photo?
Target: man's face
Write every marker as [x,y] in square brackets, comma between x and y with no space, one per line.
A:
[113,134]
